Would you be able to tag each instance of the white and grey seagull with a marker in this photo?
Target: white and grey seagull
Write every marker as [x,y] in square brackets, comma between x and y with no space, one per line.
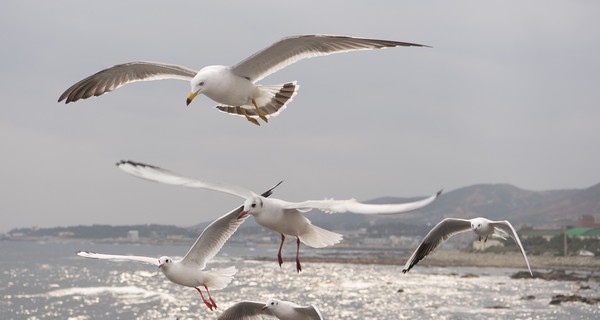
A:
[451,226]
[272,309]
[233,87]
[189,271]
[278,215]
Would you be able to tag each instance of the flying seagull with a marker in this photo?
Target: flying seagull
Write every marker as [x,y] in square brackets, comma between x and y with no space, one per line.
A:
[189,271]
[278,215]
[233,87]
[451,226]
[272,309]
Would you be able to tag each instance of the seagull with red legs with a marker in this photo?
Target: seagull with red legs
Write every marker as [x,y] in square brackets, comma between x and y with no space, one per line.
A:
[189,270]
[278,215]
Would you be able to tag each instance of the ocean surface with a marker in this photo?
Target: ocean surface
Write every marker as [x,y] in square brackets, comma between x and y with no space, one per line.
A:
[48,281]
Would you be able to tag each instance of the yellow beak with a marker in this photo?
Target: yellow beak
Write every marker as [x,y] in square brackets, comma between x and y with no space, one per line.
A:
[191,97]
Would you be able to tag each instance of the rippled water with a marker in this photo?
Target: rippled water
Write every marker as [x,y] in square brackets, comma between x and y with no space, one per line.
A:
[47,281]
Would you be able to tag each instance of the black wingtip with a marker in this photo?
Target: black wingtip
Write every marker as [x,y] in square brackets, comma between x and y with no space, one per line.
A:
[439,192]
[136,164]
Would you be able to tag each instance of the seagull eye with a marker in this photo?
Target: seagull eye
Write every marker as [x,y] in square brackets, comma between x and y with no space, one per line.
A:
[253,205]
[201,83]
[479,225]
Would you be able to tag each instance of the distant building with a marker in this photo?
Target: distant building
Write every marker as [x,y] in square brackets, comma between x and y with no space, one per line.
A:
[584,233]
[133,235]
[587,221]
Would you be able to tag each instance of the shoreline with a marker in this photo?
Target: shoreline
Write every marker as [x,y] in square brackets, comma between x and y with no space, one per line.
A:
[457,258]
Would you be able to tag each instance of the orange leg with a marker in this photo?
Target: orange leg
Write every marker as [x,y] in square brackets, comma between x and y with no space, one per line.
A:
[210,304]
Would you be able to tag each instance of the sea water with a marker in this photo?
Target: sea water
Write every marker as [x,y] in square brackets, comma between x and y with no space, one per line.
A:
[48,281]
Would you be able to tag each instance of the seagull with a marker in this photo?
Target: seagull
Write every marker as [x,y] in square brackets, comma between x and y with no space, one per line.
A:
[451,226]
[278,215]
[189,271]
[272,309]
[233,87]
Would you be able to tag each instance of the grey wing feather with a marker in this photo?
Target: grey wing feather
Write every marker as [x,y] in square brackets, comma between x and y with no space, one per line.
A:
[308,313]
[111,78]
[212,239]
[246,310]
[93,255]
[351,205]
[441,232]
[508,229]
[292,49]
[157,174]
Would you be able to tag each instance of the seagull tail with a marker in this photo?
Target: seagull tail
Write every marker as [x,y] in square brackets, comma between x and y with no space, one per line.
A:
[316,237]
[220,278]
[271,100]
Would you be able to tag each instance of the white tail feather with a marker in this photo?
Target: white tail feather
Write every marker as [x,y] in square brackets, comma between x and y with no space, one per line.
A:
[317,237]
[271,100]
[220,278]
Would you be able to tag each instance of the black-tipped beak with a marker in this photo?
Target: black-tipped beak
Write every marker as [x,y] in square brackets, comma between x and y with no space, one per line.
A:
[264,307]
[242,214]
[191,97]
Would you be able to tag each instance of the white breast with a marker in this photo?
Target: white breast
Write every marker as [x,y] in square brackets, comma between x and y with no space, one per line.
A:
[227,88]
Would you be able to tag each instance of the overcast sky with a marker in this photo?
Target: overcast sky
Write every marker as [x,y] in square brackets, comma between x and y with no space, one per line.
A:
[509,93]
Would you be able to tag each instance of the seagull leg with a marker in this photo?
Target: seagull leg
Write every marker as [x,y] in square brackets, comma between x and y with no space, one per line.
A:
[260,113]
[206,302]
[279,259]
[298,267]
[209,297]
[485,239]
[479,238]
[249,118]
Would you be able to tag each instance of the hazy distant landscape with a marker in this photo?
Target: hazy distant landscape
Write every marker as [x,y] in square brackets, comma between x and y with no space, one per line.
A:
[545,210]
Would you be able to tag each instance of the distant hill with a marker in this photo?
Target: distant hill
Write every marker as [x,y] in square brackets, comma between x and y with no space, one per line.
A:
[493,201]
[539,209]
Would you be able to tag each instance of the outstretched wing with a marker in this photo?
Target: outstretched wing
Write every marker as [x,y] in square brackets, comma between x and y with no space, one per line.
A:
[308,313]
[157,174]
[332,206]
[246,310]
[93,255]
[508,229]
[295,48]
[441,232]
[111,78]
[212,239]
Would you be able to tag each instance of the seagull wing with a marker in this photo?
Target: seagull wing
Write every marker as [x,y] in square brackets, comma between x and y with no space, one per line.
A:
[308,313]
[156,174]
[111,78]
[212,239]
[442,231]
[332,206]
[93,255]
[246,310]
[507,228]
[295,48]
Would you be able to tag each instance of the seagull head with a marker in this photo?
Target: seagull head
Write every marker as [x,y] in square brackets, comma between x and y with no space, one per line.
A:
[251,206]
[271,303]
[163,262]
[197,85]
[476,224]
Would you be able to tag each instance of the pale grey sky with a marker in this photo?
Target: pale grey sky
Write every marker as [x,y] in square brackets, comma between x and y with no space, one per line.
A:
[508,94]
